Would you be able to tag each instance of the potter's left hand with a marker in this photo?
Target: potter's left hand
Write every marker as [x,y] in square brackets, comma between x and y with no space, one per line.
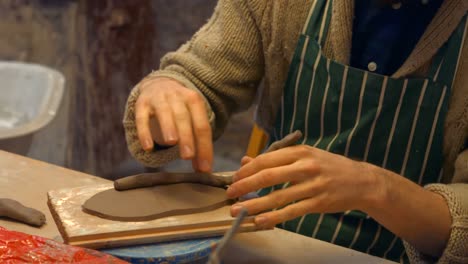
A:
[320,182]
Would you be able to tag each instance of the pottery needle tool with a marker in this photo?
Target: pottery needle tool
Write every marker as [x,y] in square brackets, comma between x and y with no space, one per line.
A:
[217,255]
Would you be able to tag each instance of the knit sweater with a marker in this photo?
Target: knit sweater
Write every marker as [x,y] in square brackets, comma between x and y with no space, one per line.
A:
[247,42]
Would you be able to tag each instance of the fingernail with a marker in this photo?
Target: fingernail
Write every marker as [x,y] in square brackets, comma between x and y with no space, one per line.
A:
[234,177]
[148,145]
[260,220]
[204,165]
[170,138]
[236,209]
[231,192]
[187,151]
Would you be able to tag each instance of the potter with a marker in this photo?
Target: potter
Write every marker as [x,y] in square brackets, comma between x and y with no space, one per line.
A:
[379,90]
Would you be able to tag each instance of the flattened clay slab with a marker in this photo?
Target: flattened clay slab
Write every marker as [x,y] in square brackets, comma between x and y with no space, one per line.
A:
[150,203]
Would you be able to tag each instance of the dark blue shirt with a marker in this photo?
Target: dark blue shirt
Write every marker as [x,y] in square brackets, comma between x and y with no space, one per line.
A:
[385,34]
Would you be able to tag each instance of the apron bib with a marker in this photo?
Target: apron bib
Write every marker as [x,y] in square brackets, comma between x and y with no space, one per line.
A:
[393,123]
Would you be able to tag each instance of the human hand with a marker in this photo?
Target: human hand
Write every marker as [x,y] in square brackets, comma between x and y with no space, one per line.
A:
[320,182]
[171,114]
[245,160]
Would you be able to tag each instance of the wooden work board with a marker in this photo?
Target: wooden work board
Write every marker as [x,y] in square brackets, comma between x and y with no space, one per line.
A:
[81,229]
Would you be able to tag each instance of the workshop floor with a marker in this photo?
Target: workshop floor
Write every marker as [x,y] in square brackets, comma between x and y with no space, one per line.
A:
[228,149]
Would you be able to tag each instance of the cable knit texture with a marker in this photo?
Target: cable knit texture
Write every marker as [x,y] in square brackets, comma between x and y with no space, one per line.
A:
[457,247]
[249,41]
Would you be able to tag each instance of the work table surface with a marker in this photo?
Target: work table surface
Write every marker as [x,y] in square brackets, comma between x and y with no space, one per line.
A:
[28,181]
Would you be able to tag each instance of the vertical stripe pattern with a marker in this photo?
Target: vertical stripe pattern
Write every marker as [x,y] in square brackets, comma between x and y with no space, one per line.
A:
[396,124]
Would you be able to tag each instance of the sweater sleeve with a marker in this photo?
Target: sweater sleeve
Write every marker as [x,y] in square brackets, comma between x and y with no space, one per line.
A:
[223,61]
[456,196]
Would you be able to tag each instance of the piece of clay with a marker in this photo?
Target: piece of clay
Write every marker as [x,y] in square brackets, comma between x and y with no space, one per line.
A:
[160,178]
[289,140]
[15,210]
[216,180]
[150,203]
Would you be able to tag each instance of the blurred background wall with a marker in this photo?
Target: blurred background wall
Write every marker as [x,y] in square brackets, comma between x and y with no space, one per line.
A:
[103,48]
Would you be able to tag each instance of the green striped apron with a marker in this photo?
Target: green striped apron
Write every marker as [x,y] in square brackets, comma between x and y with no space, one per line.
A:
[396,124]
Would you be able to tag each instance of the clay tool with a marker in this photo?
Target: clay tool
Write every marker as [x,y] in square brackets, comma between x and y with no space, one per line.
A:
[217,254]
[213,179]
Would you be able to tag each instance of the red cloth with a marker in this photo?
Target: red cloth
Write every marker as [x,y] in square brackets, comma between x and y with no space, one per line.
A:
[16,247]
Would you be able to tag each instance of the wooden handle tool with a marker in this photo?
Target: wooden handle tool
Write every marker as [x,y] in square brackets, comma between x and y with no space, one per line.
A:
[219,179]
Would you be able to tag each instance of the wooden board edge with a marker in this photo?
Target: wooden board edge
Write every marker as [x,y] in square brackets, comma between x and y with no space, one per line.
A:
[139,239]
[158,230]
[56,217]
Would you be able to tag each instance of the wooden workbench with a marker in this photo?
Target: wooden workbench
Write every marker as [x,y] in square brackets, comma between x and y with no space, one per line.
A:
[28,181]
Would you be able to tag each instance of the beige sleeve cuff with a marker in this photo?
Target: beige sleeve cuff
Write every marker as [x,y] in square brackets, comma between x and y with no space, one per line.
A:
[456,250]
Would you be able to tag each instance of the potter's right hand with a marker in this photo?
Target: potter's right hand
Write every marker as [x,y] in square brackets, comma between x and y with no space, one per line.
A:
[171,114]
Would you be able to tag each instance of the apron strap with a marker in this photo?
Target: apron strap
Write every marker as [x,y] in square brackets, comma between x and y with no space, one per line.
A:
[445,64]
[318,20]
[437,62]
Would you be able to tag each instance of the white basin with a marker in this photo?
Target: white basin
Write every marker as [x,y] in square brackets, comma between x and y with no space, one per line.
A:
[30,96]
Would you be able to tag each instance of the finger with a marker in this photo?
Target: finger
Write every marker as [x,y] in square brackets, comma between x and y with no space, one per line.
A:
[292,211]
[142,115]
[166,123]
[273,159]
[202,132]
[265,178]
[275,199]
[156,131]
[183,123]
[245,160]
